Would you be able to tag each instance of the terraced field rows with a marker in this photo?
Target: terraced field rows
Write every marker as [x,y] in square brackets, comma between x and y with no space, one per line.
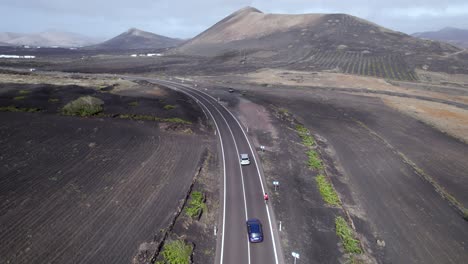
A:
[389,66]
[91,192]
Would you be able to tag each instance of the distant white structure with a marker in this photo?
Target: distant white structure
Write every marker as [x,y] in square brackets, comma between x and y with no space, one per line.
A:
[16,57]
[154,54]
[147,55]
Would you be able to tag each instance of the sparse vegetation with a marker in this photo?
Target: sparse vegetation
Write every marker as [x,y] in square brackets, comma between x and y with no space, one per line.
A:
[21,97]
[465,214]
[195,205]
[176,252]
[16,109]
[346,234]
[314,160]
[83,106]
[169,107]
[134,103]
[24,92]
[176,120]
[53,100]
[327,191]
[304,133]
[154,118]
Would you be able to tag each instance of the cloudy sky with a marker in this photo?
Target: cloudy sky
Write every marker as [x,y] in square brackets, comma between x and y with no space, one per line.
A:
[186,18]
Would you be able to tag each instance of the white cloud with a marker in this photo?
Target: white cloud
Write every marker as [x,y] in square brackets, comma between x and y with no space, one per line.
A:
[184,19]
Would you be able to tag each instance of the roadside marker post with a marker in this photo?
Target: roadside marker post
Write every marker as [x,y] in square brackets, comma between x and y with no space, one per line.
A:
[276,184]
[295,256]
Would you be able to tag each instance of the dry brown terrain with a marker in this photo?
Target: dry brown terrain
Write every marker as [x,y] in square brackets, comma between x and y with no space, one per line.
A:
[390,171]
[406,97]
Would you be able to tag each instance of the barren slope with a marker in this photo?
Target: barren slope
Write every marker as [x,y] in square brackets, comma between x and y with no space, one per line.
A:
[319,41]
[137,39]
[47,39]
[455,36]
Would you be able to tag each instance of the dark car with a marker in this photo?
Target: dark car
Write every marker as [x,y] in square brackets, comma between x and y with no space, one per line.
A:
[254,229]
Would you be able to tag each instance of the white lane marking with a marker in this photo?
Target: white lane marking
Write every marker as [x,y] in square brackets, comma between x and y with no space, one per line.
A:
[240,169]
[224,169]
[242,175]
[258,171]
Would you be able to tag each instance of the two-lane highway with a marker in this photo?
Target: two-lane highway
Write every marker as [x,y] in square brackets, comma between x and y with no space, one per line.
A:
[243,188]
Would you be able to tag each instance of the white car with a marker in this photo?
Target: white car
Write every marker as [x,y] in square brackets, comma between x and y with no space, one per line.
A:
[244,159]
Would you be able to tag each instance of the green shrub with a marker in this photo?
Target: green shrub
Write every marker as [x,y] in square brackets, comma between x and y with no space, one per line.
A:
[53,100]
[135,103]
[83,106]
[16,109]
[21,97]
[176,120]
[345,233]
[195,205]
[169,107]
[314,160]
[304,134]
[327,192]
[177,252]
[24,92]
[154,118]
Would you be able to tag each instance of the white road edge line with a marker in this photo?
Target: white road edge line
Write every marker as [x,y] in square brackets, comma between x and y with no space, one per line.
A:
[259,175]
[224,169]
[242,174]
[240,168]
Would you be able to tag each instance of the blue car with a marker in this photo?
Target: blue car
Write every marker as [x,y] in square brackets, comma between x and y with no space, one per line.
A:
[254,229]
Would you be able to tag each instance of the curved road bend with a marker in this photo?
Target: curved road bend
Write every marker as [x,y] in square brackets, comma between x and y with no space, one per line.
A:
[243,188]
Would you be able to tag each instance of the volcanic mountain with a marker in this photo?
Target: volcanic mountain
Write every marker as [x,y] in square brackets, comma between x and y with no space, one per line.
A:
[316,41]
[134,39]
[455,36]
[47,39]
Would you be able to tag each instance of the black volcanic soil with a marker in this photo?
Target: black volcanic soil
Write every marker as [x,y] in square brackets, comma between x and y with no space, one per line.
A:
[90,190]
[143,101]
[388,201]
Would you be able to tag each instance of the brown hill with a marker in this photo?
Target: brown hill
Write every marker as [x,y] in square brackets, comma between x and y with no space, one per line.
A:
[135,39]
[47,39]
[316,41]
[455,36]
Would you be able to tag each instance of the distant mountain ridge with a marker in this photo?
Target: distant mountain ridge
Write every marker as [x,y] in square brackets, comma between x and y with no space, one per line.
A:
[250,29]
[135,39]
[455,36]
[47,39]
[335,42]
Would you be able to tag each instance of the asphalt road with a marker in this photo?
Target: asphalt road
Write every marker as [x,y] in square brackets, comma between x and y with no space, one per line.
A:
[244,187]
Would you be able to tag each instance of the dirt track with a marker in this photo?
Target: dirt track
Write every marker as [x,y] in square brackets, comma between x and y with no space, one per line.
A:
[388,201]
[90,190]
